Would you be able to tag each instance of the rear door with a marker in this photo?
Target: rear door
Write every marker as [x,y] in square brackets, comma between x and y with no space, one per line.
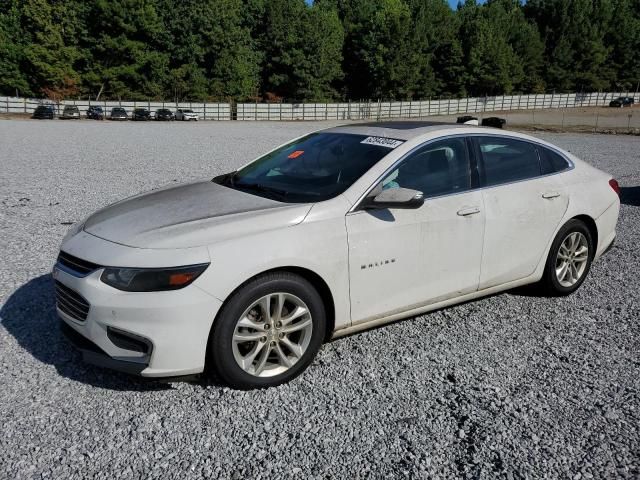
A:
[523,207]
[401,259]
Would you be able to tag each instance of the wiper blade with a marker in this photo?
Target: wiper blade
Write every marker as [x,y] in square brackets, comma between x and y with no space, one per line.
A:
[256,187]
[225,179]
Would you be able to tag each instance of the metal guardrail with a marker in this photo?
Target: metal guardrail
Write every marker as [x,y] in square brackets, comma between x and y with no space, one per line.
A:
[363,110]
[378,110]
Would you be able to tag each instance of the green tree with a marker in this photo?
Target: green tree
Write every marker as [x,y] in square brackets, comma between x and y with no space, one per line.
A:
[212,53]
[126,59]
[435,38]
[302,50]
[50,54]
[623,38]
[12,76]
[574,36]
[380,58]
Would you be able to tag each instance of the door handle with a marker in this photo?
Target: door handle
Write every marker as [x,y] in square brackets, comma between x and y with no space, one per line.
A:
[468,211]
[550,195]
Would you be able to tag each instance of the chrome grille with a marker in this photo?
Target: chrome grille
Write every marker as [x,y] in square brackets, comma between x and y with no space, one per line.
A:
[71,302]
[75,264]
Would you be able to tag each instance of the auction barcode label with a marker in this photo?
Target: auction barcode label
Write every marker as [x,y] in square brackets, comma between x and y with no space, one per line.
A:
[383,142]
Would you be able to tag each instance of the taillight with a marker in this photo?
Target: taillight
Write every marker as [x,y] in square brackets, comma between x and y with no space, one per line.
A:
[613,183]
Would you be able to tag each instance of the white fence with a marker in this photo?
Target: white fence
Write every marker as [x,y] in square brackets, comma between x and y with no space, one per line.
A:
[417,109]
[206,111]
[367,110]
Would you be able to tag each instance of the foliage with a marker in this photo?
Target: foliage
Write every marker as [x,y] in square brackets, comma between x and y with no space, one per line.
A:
[315,51]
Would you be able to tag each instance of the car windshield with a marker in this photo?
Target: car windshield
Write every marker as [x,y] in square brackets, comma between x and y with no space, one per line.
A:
[312,169]
[187,111]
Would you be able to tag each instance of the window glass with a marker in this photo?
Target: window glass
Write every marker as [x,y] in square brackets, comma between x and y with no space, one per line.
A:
[438,168]
[312,169]
[551,161]
[508,160]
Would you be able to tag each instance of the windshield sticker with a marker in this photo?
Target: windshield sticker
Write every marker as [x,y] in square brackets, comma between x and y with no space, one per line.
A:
[296,154]
[383,142]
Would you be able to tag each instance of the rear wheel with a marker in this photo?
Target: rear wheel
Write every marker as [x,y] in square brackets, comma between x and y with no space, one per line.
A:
[268,332]
[569,259]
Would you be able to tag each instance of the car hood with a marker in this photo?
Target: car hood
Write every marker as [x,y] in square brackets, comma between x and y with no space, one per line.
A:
[190,215]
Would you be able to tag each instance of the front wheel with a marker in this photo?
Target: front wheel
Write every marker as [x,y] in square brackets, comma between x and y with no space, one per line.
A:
[268,332]
[569,259]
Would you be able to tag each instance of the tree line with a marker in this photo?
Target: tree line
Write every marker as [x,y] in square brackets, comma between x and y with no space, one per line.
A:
[328,50]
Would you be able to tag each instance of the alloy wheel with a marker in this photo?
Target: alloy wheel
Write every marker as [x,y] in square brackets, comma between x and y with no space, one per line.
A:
[272,334]
[572,258]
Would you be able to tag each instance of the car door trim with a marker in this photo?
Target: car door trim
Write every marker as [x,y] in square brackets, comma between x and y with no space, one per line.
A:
[357,204]
[475,162]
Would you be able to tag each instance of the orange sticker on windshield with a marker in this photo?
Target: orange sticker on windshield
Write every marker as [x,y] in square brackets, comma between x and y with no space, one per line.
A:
[296,154]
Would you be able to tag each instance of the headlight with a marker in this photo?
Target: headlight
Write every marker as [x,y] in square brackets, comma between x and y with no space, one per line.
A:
[151,279]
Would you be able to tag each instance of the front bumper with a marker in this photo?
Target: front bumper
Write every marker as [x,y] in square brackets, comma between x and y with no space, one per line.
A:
[94,355]
[175,326]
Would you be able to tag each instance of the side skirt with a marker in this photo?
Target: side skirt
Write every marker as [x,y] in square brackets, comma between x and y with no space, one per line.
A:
[412,312]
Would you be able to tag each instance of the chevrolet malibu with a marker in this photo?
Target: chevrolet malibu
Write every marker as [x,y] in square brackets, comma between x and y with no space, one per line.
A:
[334,232]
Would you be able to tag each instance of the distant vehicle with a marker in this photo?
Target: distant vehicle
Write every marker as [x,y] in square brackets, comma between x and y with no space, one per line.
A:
[118,113]
[95,113]
[186,114]
[70,112]
[467,120]
[494,122]
[164,114]
[43,112]
[141,114]
[621,102]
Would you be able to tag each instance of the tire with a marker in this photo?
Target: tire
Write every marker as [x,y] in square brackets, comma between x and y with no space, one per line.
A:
[266,359]
[554,281]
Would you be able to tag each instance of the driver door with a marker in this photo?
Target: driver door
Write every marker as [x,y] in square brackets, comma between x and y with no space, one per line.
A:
[406,258]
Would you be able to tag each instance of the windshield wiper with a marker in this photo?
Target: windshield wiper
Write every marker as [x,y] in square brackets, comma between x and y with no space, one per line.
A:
[225,179]
[256,187]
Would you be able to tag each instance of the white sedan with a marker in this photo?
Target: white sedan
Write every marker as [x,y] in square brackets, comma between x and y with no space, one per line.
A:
[186,114]
[338,231]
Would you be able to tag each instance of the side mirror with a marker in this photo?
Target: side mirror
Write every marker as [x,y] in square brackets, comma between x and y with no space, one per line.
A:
[405,198]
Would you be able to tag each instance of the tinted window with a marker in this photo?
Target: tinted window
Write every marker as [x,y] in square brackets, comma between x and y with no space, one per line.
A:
[311,169]
[438,168]
[508,160]
[551,161]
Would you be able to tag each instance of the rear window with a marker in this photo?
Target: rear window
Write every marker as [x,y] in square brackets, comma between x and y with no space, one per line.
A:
[508,160]
[551,161]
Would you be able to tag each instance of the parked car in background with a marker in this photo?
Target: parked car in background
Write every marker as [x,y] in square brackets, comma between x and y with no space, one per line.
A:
[70,112]
[622,102]
[186,114]
[141,114]
[494,122]
[95,113]
[164,114]
[335,232]
[118,113]
[468,120]
[43,112]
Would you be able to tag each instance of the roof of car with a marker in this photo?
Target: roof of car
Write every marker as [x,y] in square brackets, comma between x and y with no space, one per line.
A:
[403,130]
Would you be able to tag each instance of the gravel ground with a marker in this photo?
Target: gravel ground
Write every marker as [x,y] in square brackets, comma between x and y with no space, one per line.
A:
[511,386]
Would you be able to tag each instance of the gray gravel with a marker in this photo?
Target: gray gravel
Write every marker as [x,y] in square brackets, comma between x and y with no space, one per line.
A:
[511,386]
